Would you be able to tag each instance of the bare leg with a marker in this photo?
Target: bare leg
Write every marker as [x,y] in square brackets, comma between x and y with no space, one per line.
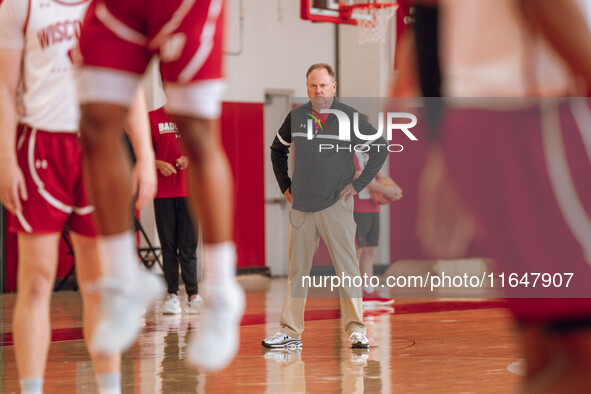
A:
[210,178]
[556,362]
[211,200]
[366,260]
[31,323]
[88,270]
[127,290]
[106,165]
[535,350]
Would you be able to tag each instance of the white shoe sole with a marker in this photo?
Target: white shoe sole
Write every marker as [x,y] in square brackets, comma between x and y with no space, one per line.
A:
[291,344]
[211,350]
[115,337]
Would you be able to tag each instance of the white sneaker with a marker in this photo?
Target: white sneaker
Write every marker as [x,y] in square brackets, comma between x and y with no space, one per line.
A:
[359,340]
[122,307]
[172,305]
[193,305]
[281,340]
[216,341]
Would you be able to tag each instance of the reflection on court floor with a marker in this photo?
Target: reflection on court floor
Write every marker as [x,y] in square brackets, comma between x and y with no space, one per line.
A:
[418,345]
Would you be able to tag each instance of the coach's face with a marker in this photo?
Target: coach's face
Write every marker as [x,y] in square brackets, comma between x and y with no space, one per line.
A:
[321,88]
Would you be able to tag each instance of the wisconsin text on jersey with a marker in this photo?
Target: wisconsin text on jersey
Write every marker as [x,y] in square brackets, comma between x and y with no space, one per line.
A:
[58,32]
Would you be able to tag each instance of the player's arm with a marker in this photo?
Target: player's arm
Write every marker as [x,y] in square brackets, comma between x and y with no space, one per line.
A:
[392,192]
[571,39]
[279,155]
[138,129]
[12,184]
[381,174]
[405,82]
[376,160]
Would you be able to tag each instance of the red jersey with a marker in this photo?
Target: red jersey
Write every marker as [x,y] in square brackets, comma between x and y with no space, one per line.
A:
[167,147]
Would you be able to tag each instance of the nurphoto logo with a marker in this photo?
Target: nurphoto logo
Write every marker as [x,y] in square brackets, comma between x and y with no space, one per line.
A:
[391,119]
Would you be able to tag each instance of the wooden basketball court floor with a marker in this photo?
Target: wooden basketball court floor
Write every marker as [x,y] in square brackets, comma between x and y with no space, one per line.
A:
[421,346]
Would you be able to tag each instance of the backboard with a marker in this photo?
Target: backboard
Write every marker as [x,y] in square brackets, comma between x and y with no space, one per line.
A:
[325,11]
[372,17]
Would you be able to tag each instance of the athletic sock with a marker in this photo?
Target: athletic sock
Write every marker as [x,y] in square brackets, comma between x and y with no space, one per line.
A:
[368,289]
[32,386]
[120,255]
[109,383]
[219,262]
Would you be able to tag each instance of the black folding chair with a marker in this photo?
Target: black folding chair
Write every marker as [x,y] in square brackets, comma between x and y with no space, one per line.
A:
[150,254]
[66,238]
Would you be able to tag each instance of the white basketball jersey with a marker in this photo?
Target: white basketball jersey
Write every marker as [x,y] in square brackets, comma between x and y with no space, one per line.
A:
[488,50]
[45,30]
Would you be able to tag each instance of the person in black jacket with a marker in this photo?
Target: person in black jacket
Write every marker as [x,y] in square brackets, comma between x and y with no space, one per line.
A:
[320,192]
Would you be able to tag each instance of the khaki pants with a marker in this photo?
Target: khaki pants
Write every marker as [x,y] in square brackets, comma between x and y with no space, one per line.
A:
[336,226]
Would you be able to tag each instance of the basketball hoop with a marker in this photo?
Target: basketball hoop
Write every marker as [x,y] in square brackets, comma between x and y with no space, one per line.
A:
[372,19]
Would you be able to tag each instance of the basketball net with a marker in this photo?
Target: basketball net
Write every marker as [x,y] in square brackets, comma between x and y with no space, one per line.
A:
[372,21]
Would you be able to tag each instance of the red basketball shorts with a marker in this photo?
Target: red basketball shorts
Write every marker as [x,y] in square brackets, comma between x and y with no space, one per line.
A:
[119,37]
[525,174]
[52,167]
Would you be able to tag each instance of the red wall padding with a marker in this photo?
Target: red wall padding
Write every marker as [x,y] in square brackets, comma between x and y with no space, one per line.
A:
[11,259]
[243,138]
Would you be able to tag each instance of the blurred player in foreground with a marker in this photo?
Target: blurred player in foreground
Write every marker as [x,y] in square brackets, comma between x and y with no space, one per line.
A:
[41,181]
[506,161]
[117,41]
